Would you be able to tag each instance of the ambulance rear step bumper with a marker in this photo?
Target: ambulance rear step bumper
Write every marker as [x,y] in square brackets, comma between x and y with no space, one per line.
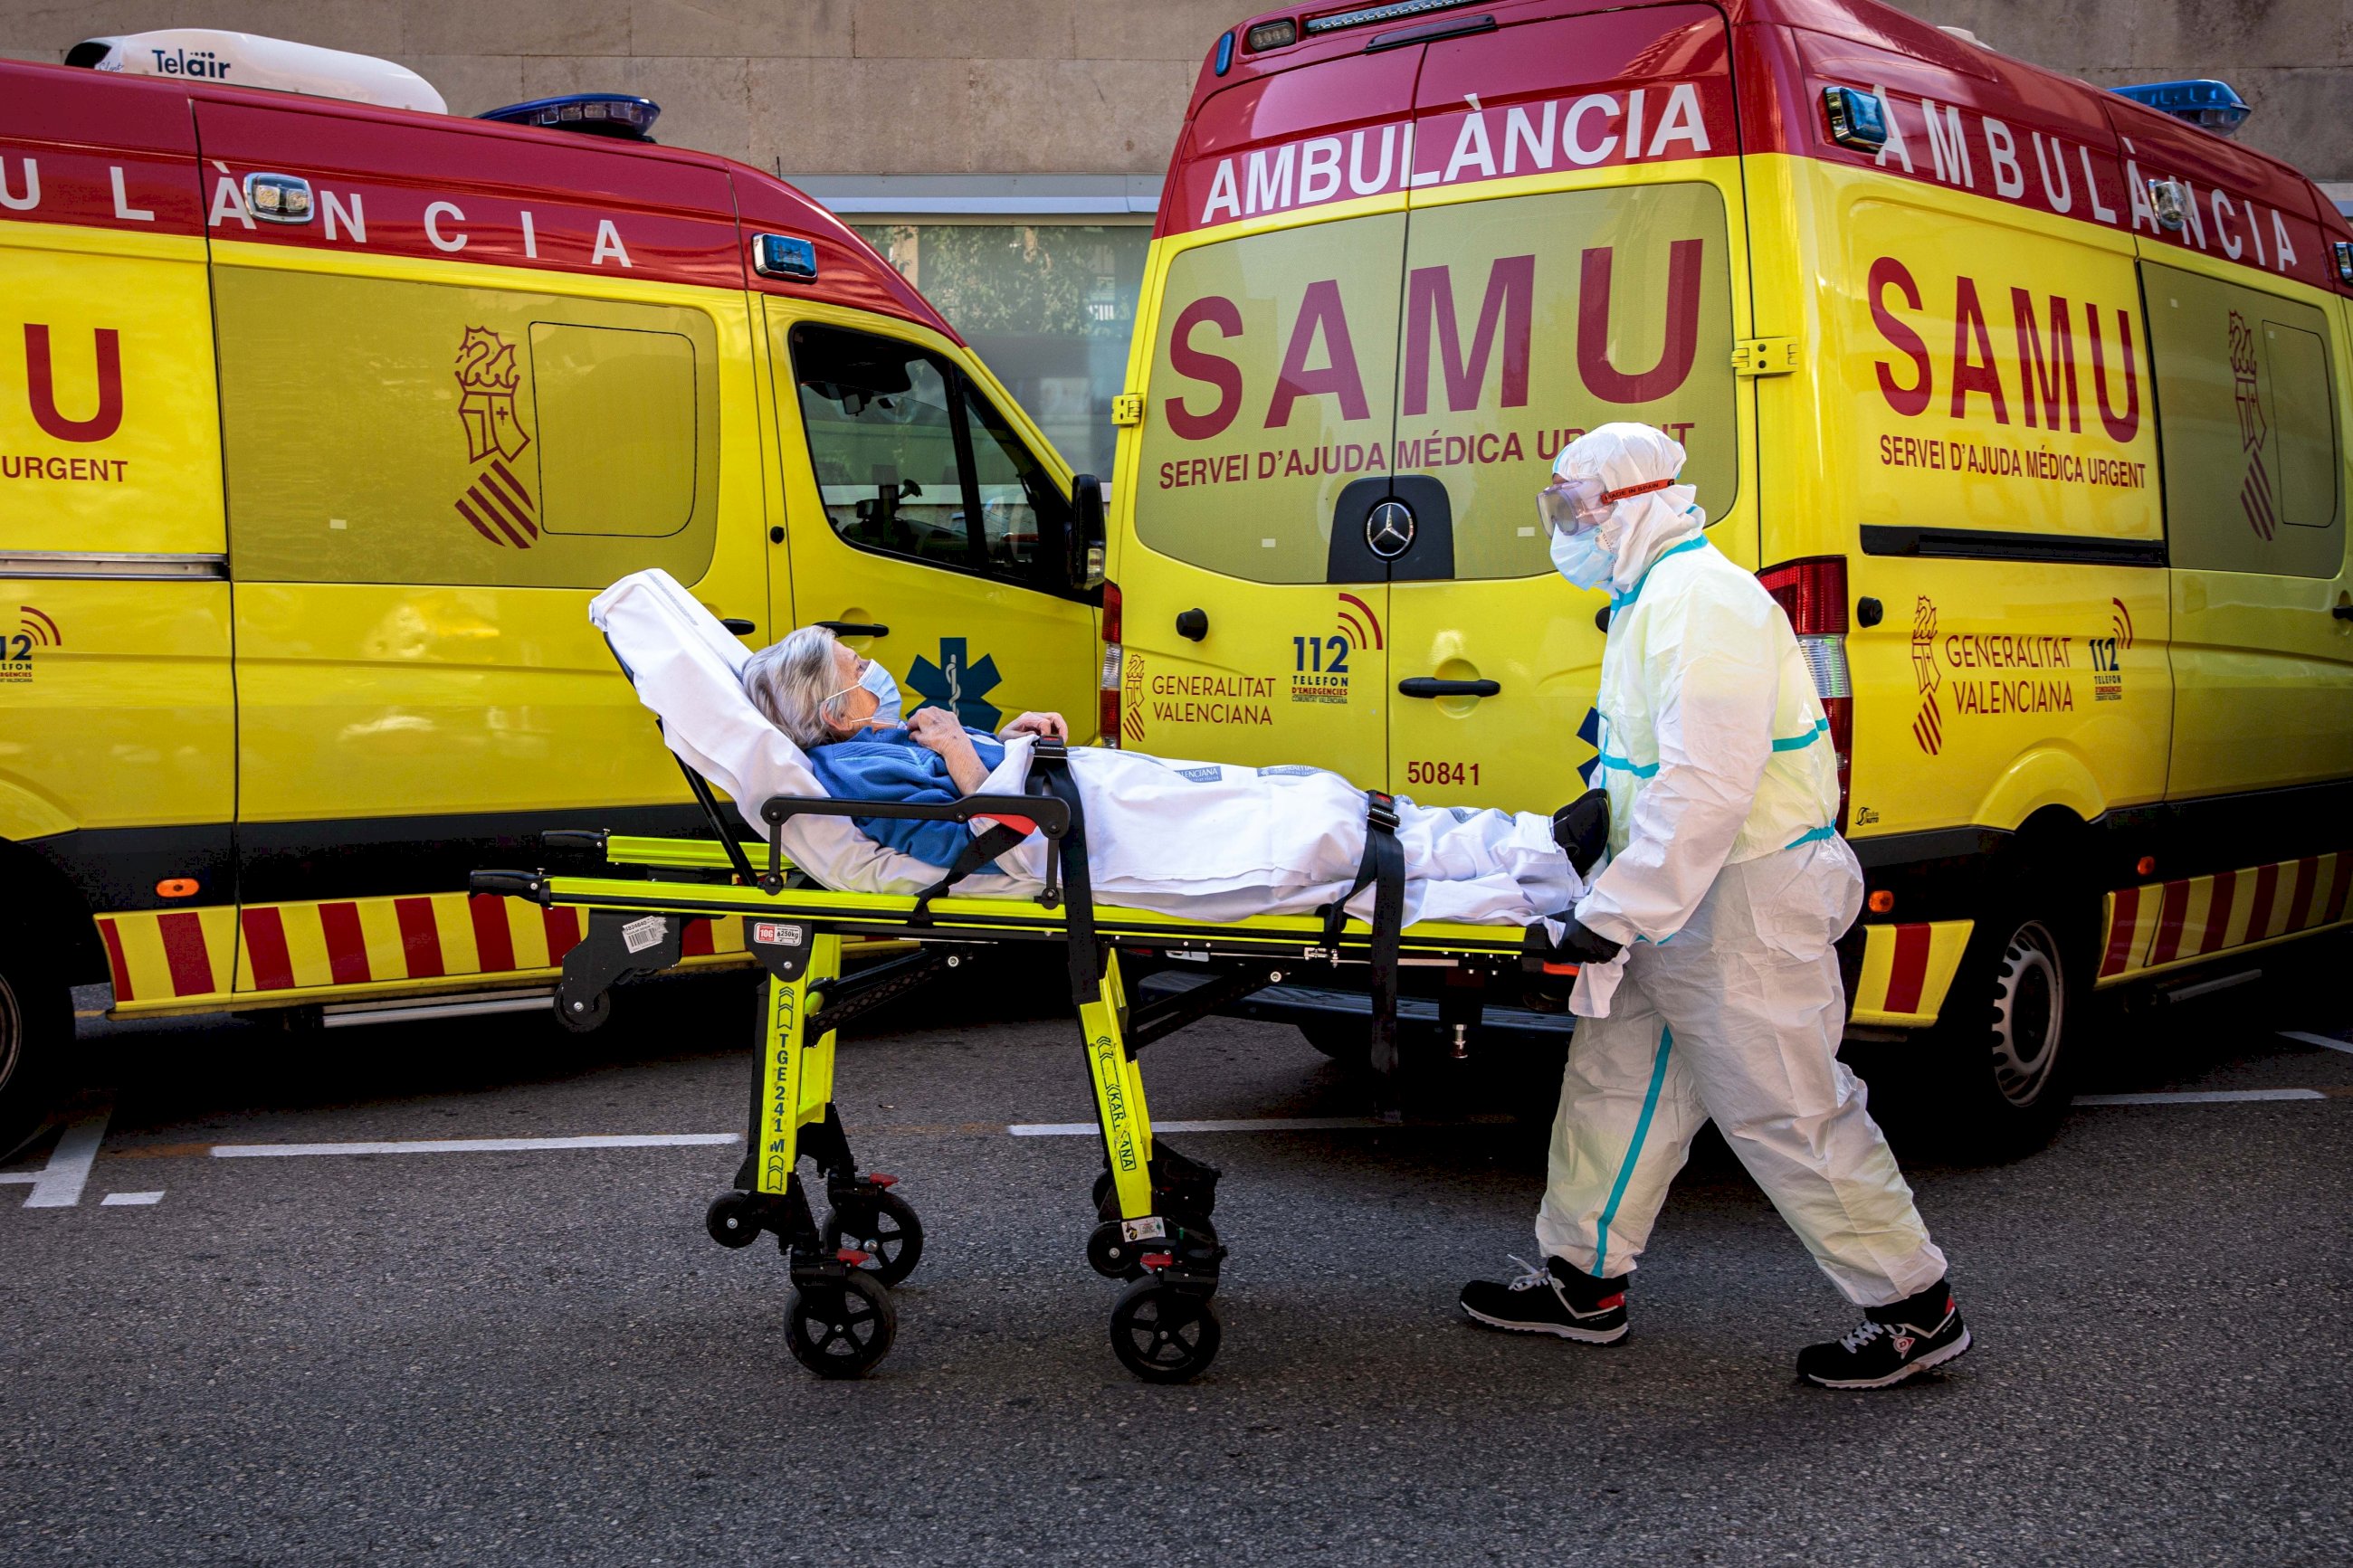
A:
[400,1010]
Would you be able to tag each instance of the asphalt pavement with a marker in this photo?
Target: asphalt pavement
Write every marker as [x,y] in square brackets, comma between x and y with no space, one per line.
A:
[226,1344]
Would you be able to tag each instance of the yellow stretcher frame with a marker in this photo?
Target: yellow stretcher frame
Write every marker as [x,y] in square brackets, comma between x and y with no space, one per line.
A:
[1154,1205]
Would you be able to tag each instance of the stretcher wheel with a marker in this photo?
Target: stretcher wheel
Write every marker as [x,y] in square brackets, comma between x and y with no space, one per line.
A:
[732,1219]
[1164,1334]
[580,1014]
[892,1241]
[841,1331]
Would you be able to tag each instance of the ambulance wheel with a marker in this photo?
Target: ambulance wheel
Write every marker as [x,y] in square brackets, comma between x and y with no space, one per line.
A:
[581,1016]
[1163,1335]
[2011,1028]
[36,1031]
[841,1331]
[732,1219]
[892,1241]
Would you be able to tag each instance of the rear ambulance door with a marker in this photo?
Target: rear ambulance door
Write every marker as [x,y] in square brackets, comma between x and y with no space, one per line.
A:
[451,414]
[2250,358]
[116,714]
[919,506]
[1574,253]
[1255,608]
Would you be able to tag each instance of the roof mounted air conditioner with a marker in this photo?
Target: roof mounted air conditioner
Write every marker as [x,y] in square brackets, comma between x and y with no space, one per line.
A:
[247,60]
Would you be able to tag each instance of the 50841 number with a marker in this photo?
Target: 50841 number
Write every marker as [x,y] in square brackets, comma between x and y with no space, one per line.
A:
[1442,772]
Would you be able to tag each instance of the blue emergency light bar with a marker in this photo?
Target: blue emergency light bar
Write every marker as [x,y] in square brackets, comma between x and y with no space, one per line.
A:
[597,113]
[2210,105]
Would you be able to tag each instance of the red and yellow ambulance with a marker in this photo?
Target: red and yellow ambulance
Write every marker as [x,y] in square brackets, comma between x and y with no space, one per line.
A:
[2027,401]
[320,423]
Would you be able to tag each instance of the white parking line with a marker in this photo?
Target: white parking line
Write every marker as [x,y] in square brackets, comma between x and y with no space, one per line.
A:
[471,1145]
[1265,1124]
[2321,1040]
[2201,1096]
[58,1184]
[130,1200]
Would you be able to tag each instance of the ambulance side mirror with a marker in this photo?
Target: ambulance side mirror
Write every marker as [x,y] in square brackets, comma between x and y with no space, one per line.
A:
[1087,536]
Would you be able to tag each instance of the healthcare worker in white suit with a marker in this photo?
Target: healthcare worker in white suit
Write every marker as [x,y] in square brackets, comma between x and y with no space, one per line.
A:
[1709,986]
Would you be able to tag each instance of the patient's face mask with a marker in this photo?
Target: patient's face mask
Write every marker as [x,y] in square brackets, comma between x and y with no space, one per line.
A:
[873,700]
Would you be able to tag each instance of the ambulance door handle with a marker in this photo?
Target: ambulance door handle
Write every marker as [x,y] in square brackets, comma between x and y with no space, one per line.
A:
[1431,686]
[2343,612]
[739,625]
[855,628]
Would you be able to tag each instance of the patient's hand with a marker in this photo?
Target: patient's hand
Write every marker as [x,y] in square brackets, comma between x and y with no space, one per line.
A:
[1050,725]
[937,730]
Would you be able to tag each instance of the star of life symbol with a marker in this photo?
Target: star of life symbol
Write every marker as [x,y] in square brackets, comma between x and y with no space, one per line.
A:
[959,683]
[497,504]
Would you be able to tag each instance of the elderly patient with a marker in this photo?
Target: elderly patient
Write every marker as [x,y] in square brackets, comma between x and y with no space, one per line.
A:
[1213,839]
[844,711]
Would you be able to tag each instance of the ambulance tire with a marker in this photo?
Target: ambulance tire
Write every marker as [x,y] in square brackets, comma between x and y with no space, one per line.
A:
[35,1033]
[2003,1054]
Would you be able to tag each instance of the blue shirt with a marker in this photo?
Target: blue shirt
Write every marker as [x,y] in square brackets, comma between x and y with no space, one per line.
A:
[887,764]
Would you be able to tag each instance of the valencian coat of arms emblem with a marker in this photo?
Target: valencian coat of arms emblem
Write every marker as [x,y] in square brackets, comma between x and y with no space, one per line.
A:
[497,503]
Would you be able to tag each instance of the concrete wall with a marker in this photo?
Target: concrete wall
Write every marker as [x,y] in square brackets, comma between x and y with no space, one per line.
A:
[997,87]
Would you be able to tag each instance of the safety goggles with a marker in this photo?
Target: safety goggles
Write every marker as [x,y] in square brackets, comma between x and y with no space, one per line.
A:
[1572,506]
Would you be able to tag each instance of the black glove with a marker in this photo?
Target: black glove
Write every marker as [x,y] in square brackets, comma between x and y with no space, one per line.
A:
[1579,944]
[1582,830]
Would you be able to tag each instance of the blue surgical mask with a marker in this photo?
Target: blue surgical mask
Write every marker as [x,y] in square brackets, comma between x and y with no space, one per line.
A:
[888,703]
[1580,558]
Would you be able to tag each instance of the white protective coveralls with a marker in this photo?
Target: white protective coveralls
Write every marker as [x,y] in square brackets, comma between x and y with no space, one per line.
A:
[1213,841]
[1727,884]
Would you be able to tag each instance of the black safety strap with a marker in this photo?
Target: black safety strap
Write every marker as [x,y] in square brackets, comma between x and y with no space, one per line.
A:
[1049,768]
[1381,867]
[983,849]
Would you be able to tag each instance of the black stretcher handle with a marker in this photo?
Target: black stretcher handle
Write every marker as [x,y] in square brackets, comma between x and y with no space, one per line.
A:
[1431,686]
[506,884]
[1052,818]
[574,838]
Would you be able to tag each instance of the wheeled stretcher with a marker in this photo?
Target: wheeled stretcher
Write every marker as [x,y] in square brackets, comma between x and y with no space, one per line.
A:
[1152,1204]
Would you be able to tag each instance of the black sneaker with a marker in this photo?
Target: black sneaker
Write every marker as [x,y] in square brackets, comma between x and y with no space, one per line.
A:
[1891,1343]
[1554,1300]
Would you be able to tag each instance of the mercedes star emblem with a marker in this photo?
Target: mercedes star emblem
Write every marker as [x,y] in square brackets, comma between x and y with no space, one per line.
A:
[1388,531]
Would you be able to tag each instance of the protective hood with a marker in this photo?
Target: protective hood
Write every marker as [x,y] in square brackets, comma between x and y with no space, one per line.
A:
[1639,529]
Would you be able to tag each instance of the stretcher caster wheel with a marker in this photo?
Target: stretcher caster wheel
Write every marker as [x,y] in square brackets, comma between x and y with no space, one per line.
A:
[892,1240]
[1112,1256]
[732,1219]
[1164,1334]
[580,1014]
[841,1331]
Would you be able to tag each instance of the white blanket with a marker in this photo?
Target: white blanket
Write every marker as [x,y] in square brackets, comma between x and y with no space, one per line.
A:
[1212,841]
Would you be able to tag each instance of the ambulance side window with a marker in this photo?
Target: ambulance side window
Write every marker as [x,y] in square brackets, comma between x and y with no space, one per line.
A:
[2247,426]
[385,431]
[911,460]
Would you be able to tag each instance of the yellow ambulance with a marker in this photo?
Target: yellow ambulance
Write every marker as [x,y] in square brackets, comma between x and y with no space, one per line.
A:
[2027,400]
[322,417]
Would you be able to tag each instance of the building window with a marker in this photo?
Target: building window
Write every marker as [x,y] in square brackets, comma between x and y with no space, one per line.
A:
[1049,306]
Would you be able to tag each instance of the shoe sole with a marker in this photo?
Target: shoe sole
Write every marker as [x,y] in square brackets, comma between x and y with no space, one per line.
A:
[1558,1331]
[1909,1369]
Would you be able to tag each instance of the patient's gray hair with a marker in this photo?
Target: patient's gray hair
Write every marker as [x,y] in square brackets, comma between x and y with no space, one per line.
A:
[788,682]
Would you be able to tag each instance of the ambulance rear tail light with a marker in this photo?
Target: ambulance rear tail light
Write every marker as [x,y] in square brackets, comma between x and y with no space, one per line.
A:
[1107,696]
[620,114]
[1273,36]
[249,59]
[1812,593]
[1857,120]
